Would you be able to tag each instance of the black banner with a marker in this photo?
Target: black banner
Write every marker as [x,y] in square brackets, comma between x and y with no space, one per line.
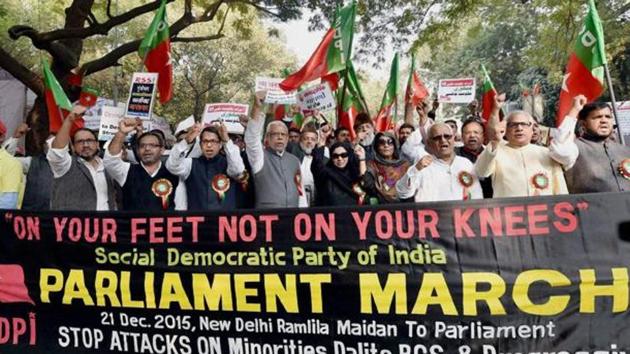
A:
[539,275]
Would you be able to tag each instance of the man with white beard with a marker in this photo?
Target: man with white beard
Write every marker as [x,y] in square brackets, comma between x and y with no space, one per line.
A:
[308,141]
[364,129]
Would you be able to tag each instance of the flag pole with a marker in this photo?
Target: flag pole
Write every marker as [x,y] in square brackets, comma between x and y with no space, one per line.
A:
[614,103]
[347,60]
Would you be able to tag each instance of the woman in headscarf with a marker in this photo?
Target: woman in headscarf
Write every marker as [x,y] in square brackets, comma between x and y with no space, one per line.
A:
[337,181]
[385,169]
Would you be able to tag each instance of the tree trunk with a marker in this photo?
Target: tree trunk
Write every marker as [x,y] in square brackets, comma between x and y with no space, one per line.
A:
[199,106]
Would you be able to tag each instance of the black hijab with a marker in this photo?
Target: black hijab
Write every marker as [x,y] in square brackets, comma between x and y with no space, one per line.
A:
[348,175]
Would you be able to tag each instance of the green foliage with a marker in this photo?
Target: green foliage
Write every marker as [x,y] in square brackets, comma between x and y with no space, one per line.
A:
[522,42]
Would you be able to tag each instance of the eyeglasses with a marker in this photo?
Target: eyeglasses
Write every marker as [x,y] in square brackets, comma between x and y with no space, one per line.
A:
[386,142]
[513,125]
[210,141]
[343,155]
[149,146]
[85,142]
[443,136]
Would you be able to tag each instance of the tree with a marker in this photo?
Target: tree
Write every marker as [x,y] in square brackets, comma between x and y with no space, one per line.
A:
[225,70]
[85,20]
[523,42]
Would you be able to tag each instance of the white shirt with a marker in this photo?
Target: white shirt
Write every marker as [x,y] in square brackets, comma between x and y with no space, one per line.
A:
[413,149]
[307,181]
[180,165]
[439,181]
[181,196]
[513,170]
[119,169]
[562,147]
[253,144]
[60,162]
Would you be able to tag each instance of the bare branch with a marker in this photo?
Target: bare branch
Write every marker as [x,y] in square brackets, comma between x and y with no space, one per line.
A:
[188,7]
[20,72]
[109,9]
[91,19]
[184,22]
[84,32]
[622,10]
[211,11]
[197,39]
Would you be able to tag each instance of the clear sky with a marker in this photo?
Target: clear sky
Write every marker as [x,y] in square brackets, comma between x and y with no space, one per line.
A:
[302,43]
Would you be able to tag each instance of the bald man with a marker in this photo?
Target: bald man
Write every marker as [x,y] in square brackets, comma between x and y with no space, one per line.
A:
[442,175]
[519,168]
[277,175]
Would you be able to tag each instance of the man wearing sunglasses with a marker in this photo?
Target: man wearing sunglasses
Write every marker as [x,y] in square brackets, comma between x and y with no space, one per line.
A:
[442,175]
[519,168]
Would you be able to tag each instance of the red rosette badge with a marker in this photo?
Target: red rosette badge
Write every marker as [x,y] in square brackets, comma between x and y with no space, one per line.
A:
[624,168]
[298,183]
[540,181]
[356,188]
[220,184]
[466,179]
[162,188]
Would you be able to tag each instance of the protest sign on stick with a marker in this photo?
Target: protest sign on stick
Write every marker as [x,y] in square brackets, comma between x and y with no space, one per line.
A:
[318,97]
[275,94]
[227,113]
[623,116]
[141,96]
[456,90]
[110,116]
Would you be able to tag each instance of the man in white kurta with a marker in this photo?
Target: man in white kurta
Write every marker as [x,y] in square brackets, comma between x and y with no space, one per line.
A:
[442,175]
[519,168]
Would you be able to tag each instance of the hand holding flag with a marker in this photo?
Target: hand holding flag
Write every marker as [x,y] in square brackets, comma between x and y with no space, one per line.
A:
[585,70]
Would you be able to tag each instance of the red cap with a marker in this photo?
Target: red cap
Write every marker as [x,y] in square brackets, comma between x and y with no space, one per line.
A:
[3,128]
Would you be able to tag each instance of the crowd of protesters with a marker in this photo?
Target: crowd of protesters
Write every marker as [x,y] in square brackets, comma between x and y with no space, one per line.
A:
[279,165]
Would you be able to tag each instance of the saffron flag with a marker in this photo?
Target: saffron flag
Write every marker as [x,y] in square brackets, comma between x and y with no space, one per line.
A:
[416,91]
[57,103]
[155,50]
[383,120]
[488,93]
[331,54]
[585,71]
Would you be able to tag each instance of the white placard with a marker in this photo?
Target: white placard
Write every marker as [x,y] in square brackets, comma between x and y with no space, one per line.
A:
[623,111]
[185,124]
[275,94]
[141,95]
[456,90]
[227,113]
[318,97]
[92,117]
[110,116]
